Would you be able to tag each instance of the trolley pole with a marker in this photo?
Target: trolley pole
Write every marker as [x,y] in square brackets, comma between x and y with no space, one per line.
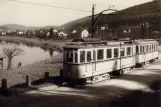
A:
[93,7]
[142,29]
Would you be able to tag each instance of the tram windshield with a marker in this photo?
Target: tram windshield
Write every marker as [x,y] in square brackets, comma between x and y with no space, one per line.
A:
[70,56]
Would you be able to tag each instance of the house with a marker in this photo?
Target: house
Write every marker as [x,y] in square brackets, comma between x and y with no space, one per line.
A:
[55,31]
[84,34]
[3,33]
[62,35]
[74,31]
[20,32]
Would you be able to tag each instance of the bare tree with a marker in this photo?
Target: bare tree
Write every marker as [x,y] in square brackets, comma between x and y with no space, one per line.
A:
[10,53]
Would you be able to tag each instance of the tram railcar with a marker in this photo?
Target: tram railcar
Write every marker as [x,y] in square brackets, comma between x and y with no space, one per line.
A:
[146,52]
[90,62]
[93,62]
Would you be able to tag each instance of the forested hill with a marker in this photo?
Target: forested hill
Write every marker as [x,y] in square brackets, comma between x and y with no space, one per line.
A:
[145,11]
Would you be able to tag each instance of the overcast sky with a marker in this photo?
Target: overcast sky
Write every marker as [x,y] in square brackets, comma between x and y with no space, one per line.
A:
[12,12]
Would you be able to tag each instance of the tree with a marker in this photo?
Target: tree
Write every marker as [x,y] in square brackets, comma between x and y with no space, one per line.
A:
[51,33]
[11,52]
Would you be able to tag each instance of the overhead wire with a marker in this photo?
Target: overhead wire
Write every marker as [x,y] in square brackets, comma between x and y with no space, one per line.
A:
[46,5]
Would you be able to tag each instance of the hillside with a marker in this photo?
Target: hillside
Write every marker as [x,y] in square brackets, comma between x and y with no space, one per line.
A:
[78,21]
[145,11]
[21,27]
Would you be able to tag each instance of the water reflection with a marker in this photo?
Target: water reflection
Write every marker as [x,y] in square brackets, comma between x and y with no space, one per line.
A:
[32,53]
[51,50]
[44,48]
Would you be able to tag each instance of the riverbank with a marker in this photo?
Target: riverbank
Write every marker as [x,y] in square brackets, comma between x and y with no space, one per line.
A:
[56,44]
[35,70]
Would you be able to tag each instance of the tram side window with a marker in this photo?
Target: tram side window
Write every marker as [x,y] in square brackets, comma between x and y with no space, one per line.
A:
[116,52]
[141,50]
[109,53]
[122,51]
[76,57]
[154,47]
[137,49]
[100,54]
[82,56]
[147,48]
[69,56]
[150,48]
[128,50]
[89,56]
[94,55]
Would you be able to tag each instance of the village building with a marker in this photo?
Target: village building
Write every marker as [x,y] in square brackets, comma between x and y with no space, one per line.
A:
[84,34]
[55,31]
[3,33]
[20,32]
[74,31]
[62,35]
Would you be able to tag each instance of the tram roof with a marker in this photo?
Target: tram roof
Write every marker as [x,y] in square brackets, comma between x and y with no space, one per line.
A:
[145,41]
[103,44]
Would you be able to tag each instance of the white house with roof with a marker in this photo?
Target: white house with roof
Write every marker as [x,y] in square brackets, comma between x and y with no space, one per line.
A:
[20,32]
[84,34]
[3,33]
[74,31]
[62,34]
[55,31]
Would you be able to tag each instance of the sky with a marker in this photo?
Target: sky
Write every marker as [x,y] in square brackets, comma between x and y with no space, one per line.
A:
[12,12]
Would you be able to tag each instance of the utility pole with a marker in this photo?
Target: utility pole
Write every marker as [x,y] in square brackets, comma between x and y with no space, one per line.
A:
[149,29]
[93,7]
[142,29]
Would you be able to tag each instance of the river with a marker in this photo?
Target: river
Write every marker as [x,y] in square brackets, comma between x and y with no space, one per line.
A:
[30,55]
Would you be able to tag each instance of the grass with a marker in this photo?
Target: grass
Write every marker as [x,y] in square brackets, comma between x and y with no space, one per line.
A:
[36,70]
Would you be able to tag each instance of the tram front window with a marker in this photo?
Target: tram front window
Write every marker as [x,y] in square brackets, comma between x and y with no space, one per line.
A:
[70,56]
[82,56]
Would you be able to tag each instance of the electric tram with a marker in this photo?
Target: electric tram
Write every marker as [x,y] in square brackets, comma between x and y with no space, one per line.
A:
[94,61]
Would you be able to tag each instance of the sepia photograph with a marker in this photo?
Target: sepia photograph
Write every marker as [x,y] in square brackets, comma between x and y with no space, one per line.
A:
[80,53]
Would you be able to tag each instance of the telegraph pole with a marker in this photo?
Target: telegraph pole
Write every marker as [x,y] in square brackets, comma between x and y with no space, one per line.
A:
[93,7]
[142,29]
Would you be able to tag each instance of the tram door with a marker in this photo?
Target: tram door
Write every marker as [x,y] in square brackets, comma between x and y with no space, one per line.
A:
[89,59]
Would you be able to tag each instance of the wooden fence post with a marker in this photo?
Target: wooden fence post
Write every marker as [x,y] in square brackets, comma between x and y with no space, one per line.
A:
[61,72]
[4,84]
[46,76]
[28,81]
